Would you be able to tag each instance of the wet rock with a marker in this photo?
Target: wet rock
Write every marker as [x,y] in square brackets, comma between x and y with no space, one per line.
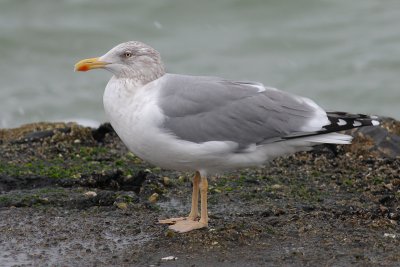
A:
[115,180]
[40,135]
[104,198]
[100,133]
[384,140]
[8,183]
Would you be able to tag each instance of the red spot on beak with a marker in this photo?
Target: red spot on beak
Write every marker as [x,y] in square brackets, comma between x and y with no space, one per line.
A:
[83,68]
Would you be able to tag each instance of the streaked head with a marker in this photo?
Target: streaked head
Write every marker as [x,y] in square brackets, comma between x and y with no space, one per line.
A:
[132,59]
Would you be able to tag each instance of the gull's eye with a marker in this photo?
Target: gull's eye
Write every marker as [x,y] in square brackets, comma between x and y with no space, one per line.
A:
[127,54]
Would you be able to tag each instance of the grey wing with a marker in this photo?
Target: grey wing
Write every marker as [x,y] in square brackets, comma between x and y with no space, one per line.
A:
[201,109]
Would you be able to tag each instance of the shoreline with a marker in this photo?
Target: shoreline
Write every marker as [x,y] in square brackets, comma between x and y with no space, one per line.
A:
[74,195]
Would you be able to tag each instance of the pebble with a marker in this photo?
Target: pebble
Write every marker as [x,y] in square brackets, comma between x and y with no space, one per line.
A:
[90,194]
[181,179]
[169,258]
[122,205]
[166,180]
[153,198]
[389,235]
[276,186]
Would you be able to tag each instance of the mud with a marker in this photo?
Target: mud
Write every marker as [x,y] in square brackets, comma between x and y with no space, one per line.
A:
[74,196]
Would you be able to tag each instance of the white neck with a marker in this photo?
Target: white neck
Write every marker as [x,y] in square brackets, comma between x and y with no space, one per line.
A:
[118,95]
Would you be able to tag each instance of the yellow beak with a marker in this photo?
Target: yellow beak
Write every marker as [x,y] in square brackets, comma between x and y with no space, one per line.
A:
[89,64]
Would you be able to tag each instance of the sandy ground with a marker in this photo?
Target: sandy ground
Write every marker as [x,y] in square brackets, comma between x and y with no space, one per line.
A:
[72,196]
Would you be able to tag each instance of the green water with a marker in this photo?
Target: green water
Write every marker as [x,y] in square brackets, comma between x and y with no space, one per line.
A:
[343,54]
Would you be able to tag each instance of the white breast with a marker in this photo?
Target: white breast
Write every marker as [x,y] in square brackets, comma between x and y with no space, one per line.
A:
[133,113]
[137,119]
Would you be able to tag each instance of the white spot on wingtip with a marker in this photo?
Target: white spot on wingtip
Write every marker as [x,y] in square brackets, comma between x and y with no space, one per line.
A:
[341,122]
[357,123]
[375,123]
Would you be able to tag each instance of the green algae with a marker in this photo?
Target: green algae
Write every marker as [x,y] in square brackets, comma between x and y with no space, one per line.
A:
[85,161]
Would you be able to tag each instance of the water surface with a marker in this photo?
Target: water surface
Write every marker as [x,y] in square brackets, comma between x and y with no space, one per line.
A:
[343,54]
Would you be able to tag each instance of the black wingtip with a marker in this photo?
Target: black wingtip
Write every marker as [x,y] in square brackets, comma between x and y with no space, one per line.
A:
[340,121]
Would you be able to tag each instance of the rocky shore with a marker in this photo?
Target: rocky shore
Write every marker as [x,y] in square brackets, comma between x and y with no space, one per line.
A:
[75,196]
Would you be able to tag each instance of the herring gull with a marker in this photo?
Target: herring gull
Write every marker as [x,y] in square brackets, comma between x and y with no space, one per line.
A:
[207,124]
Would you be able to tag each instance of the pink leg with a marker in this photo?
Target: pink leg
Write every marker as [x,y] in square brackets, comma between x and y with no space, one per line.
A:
[194,211]
[189,225]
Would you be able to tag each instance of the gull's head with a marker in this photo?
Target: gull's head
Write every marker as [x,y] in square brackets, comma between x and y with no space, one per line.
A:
[134,60]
